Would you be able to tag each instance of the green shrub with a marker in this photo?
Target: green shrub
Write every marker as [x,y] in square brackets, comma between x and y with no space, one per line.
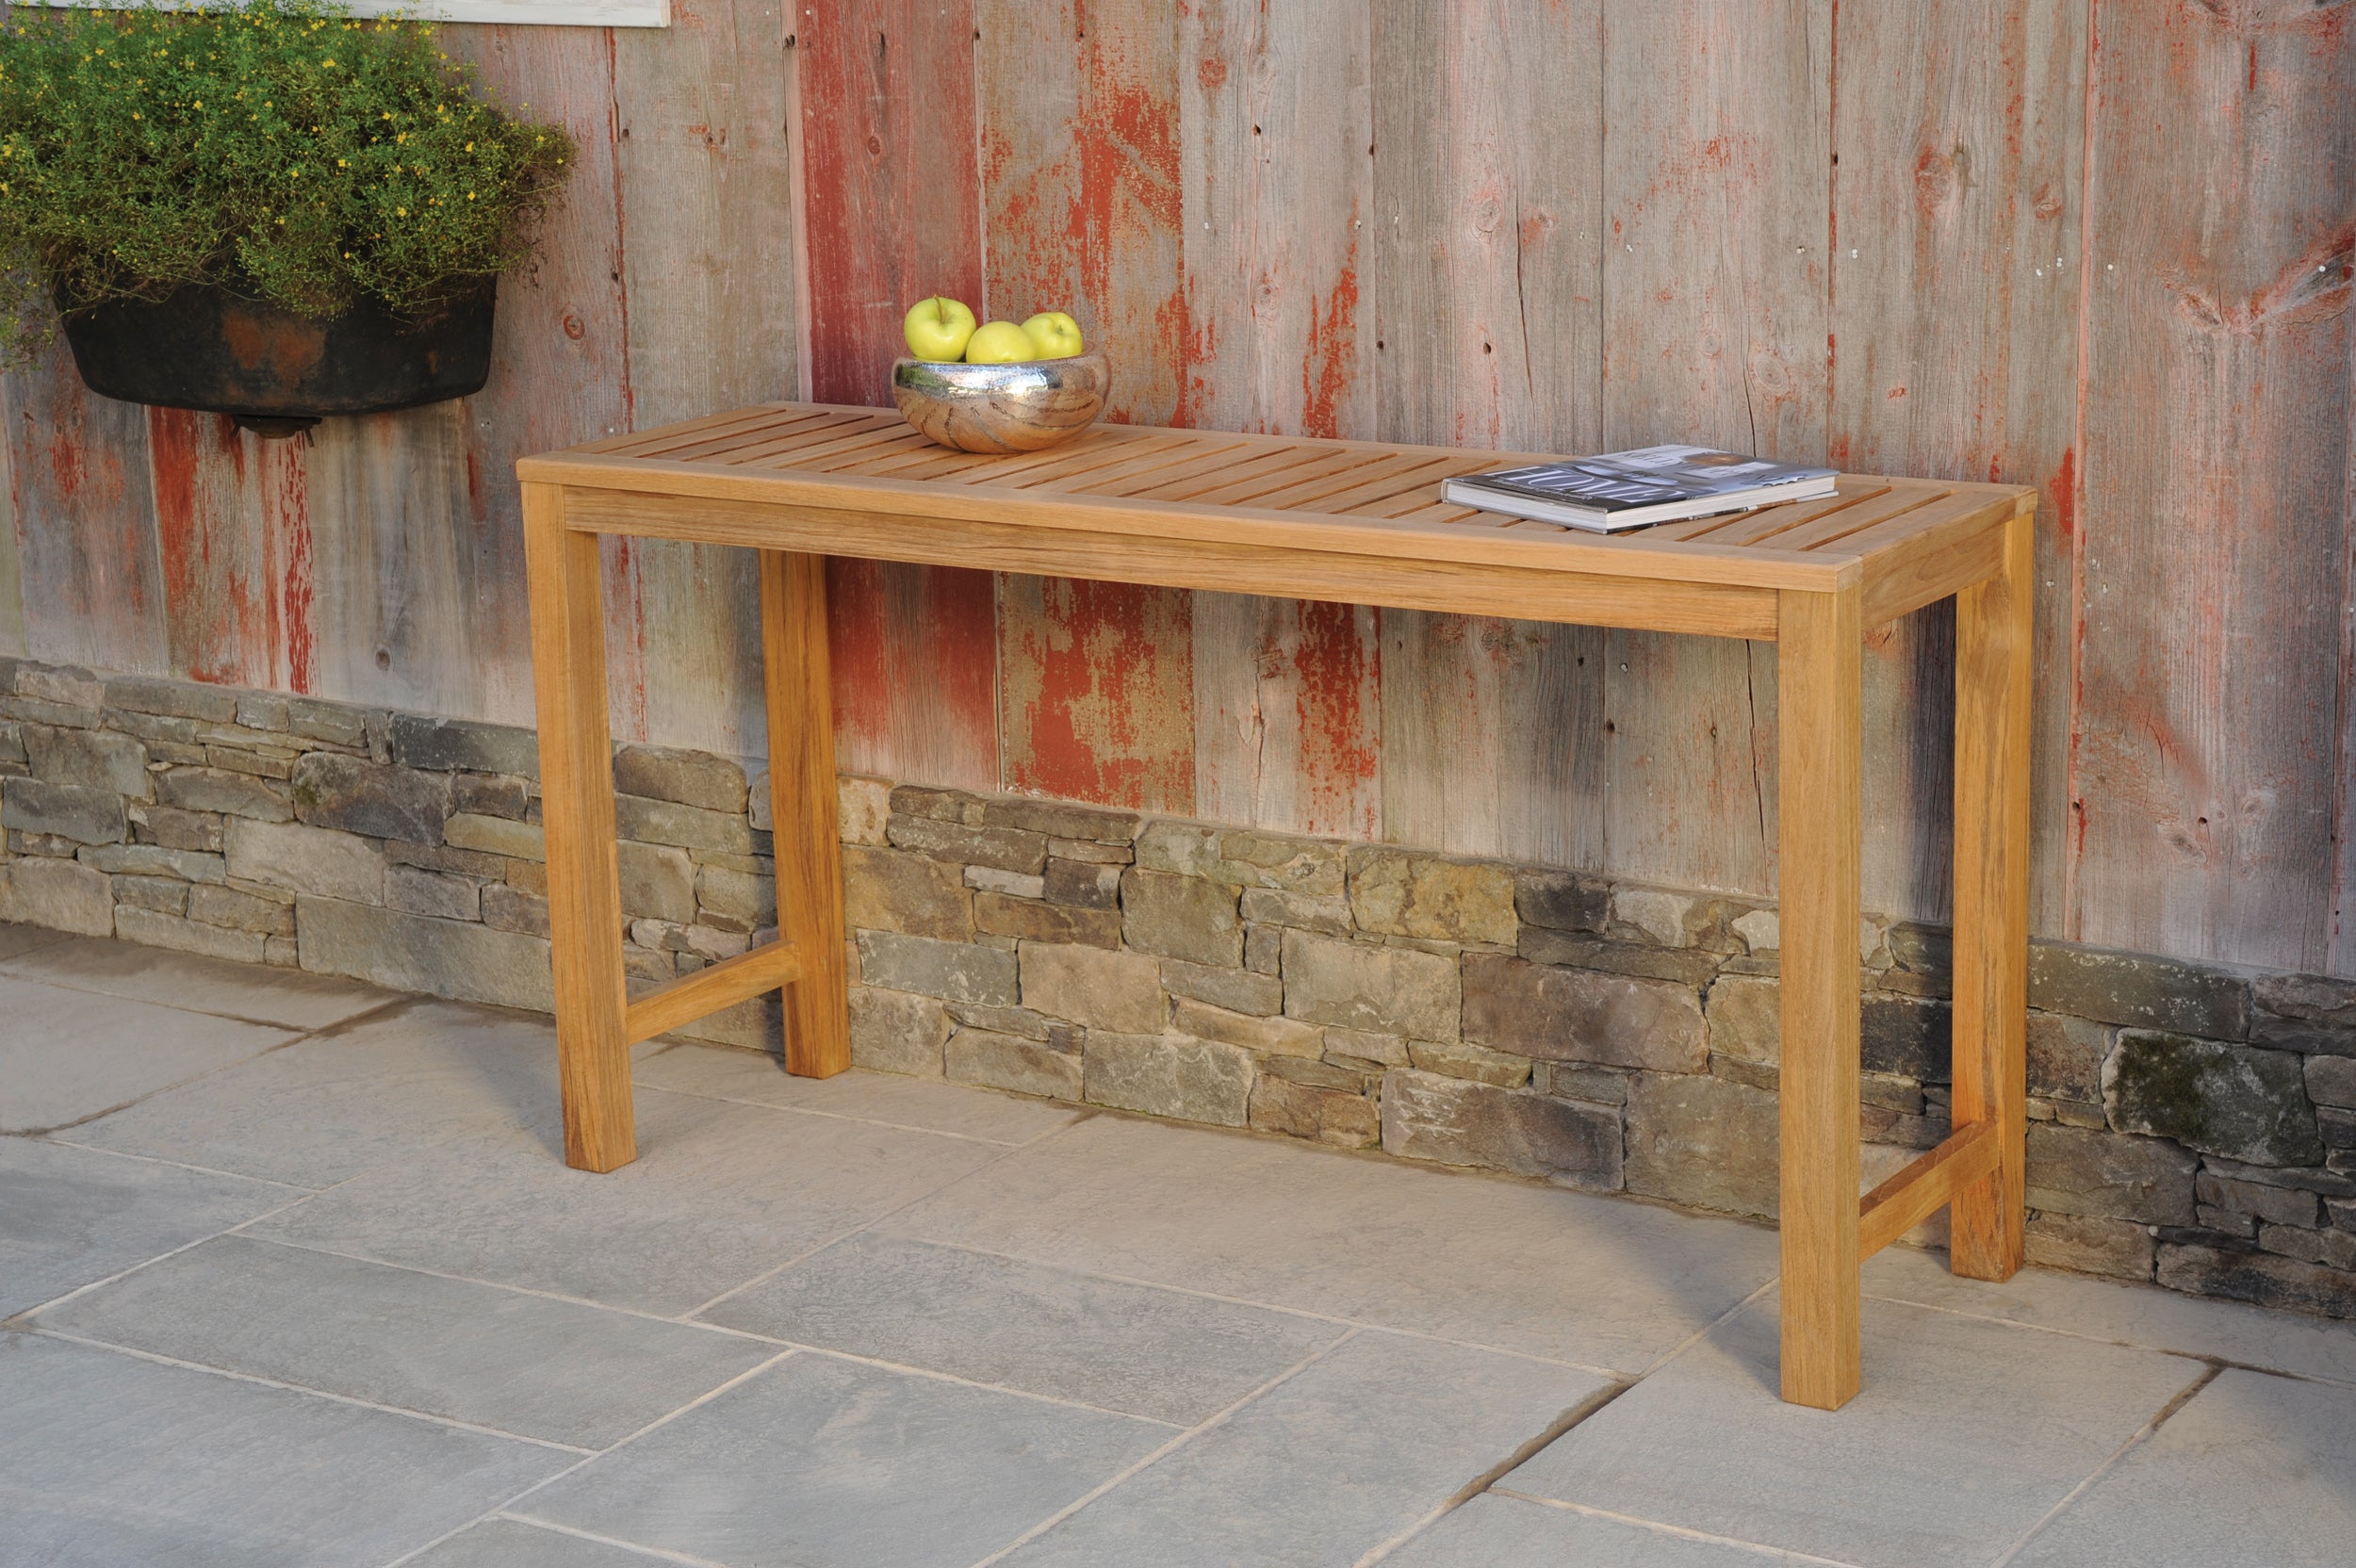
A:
[283,149]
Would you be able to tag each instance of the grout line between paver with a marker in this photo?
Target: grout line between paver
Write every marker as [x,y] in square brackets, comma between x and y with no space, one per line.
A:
[176,1165]
[235,1376]
[19,1317]
[906,1369]
[1210,1422]
[9,970]
[1710,1328]
[2143,1434]
[657,1554]
[507,1508]
[830,1116]
[1780,1554]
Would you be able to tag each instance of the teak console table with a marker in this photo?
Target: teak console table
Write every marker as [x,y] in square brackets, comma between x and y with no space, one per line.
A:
[1355,522]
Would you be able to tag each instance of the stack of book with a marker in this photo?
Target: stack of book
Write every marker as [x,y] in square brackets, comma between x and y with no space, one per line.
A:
[1635,489]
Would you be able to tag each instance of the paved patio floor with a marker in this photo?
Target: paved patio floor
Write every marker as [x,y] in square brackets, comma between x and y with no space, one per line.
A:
[298,1278]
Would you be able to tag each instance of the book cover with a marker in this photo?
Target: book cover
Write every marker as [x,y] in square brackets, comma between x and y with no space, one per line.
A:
[1647,477]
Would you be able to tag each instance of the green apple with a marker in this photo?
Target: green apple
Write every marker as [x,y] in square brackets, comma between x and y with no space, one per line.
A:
[938,328]
[1054,334]
[998,343]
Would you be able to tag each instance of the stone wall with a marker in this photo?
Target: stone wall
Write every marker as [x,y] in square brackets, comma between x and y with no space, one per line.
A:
[2193,1125]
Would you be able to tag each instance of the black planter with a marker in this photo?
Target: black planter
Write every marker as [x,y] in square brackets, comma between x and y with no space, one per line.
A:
[275,372]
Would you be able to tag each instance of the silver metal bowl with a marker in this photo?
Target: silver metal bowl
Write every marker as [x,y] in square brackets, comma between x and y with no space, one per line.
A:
[1023,407]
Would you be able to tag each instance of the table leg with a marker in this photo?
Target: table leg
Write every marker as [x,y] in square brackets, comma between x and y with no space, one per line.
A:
[576,806]
[1819,758]
[802,806]
[1992,645]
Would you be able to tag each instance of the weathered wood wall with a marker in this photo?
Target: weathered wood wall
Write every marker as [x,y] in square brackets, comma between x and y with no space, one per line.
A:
[2101,246]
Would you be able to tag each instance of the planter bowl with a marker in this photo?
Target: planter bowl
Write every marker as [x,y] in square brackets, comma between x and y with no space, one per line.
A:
[1024,407]
[273,371]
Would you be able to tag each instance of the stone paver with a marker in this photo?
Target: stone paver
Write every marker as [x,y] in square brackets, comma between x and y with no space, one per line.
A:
[1031,1331]
[1149,1353]
[827,1463]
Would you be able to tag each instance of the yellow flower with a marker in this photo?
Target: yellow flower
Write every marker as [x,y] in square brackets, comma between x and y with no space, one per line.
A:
[341,164]
[400,212]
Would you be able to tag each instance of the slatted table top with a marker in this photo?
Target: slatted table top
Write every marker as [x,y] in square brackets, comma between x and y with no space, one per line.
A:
[1903,542]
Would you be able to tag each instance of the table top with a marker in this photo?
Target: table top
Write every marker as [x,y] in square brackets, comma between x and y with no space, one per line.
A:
[1267,514]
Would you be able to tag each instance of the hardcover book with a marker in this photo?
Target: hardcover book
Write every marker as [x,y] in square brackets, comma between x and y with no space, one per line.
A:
[1633,489]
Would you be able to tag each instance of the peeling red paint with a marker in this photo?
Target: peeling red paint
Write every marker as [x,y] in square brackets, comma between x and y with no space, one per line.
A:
[1327,368]
[1099,693]
[1337,706]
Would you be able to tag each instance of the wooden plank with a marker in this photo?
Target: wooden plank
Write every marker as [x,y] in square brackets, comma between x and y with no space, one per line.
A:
[707,207]
[1994,647]
[11,579]
[234,532]
[577,787]
[1096,692]
[1714,330]
[1276,145]
[1925,1185]
[910,702]
[2216,486]
[1819,755]
[709,989]
[1287,697]
[893,202]
[803,808]
[559,373]
[91,574]
[1958,130]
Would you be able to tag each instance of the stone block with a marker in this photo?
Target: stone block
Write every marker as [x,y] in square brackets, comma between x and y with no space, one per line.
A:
[61,895]
[233,794]
[461,745]
[1006,848]
[178,699]
[1343,1117]
[453,862]
[1394,991]
[1579,1015]
[1034,920]
[2261,1277]
[94,758]
[886,890]
[61,683]
[1660,916]
[1283,1036]
[334,790]
[1088,852]
[1013,884]
[2081,1170]
[688,777]
[1600,1086]
[73,811]
[242,911]
[2331,1183]
[1703,1141]
[663,821]
[1119,992]
[1760,931]
[1264,950]
[749,898]
[1369,1046]
[518,840]
[461,959]
[2332,1249]
[1745,1013]
[955,971]
[1085,883]
[154,928]
[2332,1080]
[1404,892]
[1011,1062]
[2086,1244]
[1172,915]
[1168,1075]
[2138,991]
[1909,1036]
[1478,1063]
[1561,901]
[897,1031]
[1242,857]
[1016,1021]
[261,764]
[1456,1121]
[2275,1205]
[531,877]
[2309,997]
[419,891]
[2066,1057]
[306,859]
[1237,990]
[2238,1101]
[1327,917]
[326,721]
[1686,966]
[261,711]
[1054,818]
[862,807]
[189,865]
[486,794]
[177,829]
[164,895]
[657,880]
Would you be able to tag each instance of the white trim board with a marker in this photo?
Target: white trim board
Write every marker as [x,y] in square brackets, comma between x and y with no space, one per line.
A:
[547,13]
